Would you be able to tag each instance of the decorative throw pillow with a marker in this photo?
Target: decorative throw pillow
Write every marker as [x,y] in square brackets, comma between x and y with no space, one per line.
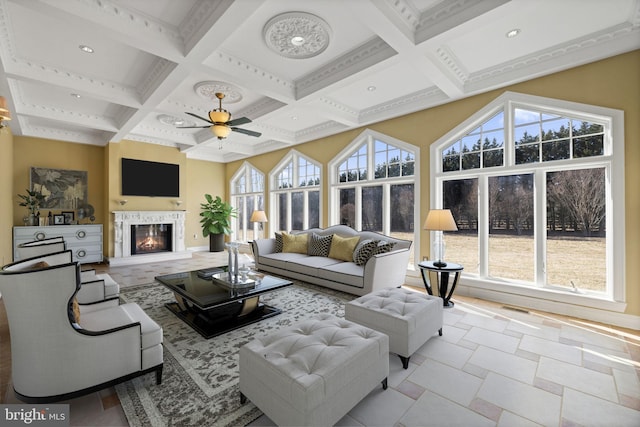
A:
[295,243]
[364,251]
[320,245]
[342,247]
[383,247]
[278,242]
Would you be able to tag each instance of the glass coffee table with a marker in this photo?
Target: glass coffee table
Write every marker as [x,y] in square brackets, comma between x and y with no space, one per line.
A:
[213,305]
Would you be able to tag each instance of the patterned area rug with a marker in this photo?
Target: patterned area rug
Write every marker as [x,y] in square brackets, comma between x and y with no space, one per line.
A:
[200,378]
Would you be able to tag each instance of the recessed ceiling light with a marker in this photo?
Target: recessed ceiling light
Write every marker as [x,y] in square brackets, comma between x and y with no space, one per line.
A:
[297,40]
[371,88]
[85,48]
[512,33]
[75,95]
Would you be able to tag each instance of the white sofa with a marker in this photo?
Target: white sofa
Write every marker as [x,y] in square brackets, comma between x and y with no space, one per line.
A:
[379,272]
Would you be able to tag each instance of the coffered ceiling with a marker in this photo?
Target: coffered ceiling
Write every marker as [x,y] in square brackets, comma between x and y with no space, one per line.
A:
[358,62]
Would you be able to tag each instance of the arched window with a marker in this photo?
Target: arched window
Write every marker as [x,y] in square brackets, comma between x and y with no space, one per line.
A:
[247,195]
[536,186]
[373,186]
[295,193]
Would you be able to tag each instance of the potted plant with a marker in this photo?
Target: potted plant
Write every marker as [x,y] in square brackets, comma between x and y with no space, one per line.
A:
[32,201]
[216,221]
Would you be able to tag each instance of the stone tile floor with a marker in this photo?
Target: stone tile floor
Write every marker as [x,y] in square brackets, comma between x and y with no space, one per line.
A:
[493,366]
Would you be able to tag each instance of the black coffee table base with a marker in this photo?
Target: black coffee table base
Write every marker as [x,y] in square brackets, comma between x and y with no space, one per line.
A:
[219,320]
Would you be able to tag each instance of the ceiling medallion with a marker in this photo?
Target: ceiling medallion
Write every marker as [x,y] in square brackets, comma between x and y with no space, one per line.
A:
[297,35]
[173,120]
[208,90]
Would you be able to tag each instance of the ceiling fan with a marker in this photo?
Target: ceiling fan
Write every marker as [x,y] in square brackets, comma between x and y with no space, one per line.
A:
[221,123]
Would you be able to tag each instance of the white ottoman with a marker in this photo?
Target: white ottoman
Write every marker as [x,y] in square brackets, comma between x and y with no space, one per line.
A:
[315,372]
[408,318]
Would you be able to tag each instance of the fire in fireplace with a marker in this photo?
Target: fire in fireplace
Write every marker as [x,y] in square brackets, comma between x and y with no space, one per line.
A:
[151,238]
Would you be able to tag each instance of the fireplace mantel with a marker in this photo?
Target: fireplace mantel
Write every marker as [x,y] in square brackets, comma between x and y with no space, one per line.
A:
[123,220]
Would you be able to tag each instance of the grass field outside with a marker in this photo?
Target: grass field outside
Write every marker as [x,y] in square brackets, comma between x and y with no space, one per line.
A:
[578,260]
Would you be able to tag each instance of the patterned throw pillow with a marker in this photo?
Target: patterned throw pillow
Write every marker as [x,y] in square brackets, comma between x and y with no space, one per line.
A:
[383,247]
[364,251]
[320,245]
[278,242]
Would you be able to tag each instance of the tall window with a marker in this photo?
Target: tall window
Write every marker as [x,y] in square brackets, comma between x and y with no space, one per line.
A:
[247,195]
[373,186]
[295,193]
[532,190]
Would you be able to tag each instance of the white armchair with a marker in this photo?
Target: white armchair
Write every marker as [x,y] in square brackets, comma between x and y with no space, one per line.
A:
[95,287]
[57,357]
[40,247]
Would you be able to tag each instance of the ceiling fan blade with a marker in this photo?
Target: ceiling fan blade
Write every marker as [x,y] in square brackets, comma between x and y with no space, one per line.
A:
[246,131]
[199,117]
[193,127]
[240,121]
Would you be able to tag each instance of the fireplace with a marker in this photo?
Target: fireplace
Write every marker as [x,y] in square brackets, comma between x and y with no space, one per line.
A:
[148,236]
[151,238]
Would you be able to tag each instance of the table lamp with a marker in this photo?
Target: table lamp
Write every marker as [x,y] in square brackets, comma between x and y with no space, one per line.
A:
[439,220]
[259,216]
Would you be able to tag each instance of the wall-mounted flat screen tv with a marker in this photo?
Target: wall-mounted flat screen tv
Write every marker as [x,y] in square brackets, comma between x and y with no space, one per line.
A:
[153,179]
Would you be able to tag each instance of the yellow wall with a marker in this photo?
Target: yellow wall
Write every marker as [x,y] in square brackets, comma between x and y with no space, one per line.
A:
[202,178]
[611,83]
[6,196]
[46,153]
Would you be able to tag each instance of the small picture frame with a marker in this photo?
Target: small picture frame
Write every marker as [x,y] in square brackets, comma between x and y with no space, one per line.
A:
[68,217]
[58,220]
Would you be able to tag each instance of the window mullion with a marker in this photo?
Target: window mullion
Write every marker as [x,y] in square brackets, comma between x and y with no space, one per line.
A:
[540,227]
[386,214]
[483,225]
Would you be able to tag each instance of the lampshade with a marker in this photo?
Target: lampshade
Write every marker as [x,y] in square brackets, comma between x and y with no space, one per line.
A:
[221,131]
[440,220]
[258,216]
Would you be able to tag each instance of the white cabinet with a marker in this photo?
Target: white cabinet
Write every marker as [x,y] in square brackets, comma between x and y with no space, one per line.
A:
[85,241]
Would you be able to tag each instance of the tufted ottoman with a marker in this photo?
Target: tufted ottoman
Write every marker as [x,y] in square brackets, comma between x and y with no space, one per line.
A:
[408,318]
[315,372]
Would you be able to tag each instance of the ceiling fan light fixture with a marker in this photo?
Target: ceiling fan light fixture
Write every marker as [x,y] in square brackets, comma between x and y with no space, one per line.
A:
[5,114]
[220,131]
[219,116]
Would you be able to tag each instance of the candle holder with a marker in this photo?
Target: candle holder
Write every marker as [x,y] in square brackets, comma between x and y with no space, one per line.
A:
[232,248]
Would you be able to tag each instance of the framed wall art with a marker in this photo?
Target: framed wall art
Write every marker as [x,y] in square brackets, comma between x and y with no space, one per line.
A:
[63,189]
[58,220]
[68,217]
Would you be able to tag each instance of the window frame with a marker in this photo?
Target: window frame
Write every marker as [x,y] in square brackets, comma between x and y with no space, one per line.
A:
[369,137]
[245,171]
[292,157]
[612,161]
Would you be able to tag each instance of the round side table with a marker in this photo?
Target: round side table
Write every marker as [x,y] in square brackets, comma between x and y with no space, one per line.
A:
[442,278]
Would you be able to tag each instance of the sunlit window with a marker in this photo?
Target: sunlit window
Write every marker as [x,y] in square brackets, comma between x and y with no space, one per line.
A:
[373,186]
[295,194]
[247,194]
[531,191]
